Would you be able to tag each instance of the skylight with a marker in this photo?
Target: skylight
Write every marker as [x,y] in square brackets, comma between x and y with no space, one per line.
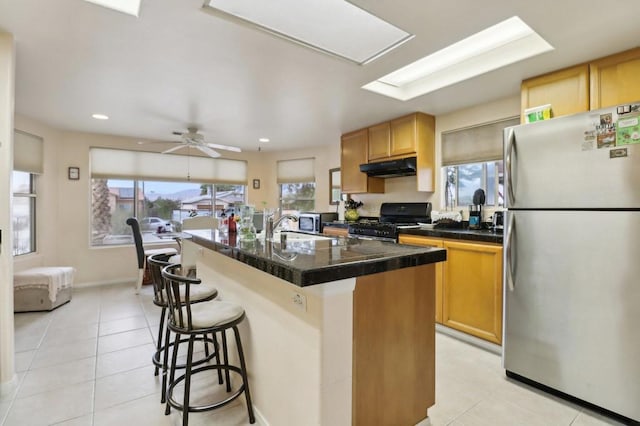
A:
[130,7]
[503,44]
[335,27]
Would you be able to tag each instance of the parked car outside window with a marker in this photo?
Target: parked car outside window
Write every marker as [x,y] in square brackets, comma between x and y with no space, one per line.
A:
[155,224]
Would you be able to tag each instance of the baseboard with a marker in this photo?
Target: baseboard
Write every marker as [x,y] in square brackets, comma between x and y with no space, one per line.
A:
[8,387]
[260,420]
[131,281]
[482,344]
[425,422]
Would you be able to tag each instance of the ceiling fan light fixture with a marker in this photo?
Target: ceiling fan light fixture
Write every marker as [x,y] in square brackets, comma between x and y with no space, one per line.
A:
[264,140]
[100,116]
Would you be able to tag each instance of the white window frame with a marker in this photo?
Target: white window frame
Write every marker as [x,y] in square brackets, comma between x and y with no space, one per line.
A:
[483,184]
[32,196]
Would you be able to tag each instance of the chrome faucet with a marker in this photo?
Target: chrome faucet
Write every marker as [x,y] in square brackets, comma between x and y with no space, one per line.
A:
[271,225]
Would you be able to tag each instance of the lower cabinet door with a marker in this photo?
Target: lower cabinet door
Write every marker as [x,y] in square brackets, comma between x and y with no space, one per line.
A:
[429,242]
[472,290]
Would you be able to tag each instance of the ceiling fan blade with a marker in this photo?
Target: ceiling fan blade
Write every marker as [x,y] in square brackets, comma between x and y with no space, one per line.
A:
[175,148]
[225,147]
[208,151]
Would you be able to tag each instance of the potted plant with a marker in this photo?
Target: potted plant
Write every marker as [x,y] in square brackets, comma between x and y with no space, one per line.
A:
[351,209]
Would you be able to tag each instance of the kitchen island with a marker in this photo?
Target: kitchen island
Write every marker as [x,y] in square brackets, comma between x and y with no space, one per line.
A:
[339,331]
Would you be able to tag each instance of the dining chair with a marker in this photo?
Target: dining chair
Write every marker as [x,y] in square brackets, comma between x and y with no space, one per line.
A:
[143,253]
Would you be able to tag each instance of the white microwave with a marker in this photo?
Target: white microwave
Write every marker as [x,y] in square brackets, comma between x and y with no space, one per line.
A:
[314,222]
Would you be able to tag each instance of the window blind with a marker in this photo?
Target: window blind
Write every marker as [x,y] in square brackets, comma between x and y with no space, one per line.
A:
[475,144]
[296,171]
[123,164]
[27,152]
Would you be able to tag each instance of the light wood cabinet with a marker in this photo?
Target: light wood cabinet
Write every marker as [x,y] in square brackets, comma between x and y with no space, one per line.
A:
[335,232]
[405,136]
[393,139]
[379,141]
[472,290]
[429,242]
[601,83]
[615,79]
[353,152]
[468,286]
[566,90]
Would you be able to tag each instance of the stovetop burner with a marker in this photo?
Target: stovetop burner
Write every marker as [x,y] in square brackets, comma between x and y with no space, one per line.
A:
[393,216]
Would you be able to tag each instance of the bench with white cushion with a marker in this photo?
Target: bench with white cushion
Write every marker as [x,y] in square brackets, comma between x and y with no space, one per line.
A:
[43,288]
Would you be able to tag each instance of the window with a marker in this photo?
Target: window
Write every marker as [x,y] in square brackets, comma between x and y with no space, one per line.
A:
[24,213]
[297,197]
[27,163]
[160,190]
[472,159]
[297,184]
[159,206]
[463,180]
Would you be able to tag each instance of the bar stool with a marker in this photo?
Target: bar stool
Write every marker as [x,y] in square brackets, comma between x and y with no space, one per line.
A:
[199,294]
[190,319]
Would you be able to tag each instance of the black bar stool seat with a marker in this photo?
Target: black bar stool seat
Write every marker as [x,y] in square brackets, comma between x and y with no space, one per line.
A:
[200,293]
[191,319]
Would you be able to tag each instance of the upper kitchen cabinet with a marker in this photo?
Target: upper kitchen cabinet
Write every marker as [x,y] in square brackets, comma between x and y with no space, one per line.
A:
[353,152]
[614,79]
[379,142]
[394,139]
[601,83]
[422,130]
[412,135]
[566,90]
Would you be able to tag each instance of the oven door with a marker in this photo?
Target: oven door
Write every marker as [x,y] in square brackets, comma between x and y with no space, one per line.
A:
[372,238]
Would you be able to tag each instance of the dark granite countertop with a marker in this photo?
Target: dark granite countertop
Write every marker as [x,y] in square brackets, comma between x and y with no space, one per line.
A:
[305,262]
[482,235]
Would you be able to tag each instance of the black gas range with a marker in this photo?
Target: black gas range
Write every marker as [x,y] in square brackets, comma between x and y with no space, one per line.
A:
[393,218]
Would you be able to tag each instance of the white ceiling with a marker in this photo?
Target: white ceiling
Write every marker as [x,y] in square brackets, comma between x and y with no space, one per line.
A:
[177,65]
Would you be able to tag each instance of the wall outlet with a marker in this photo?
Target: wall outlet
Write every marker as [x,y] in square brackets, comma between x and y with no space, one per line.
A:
[299,300]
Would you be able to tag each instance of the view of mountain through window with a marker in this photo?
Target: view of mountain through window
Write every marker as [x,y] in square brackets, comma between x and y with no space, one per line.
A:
[159,206]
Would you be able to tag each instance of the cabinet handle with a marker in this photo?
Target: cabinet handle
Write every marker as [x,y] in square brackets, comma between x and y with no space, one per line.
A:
[510,138]
[509,261]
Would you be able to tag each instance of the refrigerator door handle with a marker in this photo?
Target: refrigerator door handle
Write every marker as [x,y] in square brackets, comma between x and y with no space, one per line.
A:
[509,271]
[510,138]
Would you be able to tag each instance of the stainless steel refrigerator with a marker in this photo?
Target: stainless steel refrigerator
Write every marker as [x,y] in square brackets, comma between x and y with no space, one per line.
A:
[572,256]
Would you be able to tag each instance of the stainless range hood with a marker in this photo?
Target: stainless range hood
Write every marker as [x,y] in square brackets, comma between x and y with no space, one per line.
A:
[392,168]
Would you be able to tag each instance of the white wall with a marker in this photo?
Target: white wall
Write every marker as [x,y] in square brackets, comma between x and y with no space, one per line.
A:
[7,87]
[63,212]
[263,166]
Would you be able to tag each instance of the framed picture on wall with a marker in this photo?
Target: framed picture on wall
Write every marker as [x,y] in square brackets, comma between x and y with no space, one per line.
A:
[256,184]
[74,173]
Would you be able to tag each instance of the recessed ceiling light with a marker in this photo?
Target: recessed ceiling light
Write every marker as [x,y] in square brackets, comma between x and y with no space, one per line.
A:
[265,140]
[100,116]
[503,44]
[130,7]
[335,27]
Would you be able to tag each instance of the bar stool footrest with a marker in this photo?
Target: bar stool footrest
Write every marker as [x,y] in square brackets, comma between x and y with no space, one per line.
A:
[156,356]
[200,408]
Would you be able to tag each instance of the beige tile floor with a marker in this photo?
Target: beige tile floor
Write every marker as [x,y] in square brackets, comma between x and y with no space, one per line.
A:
[88,363]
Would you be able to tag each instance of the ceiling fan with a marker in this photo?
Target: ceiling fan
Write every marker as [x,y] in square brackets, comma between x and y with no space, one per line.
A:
[194,139]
